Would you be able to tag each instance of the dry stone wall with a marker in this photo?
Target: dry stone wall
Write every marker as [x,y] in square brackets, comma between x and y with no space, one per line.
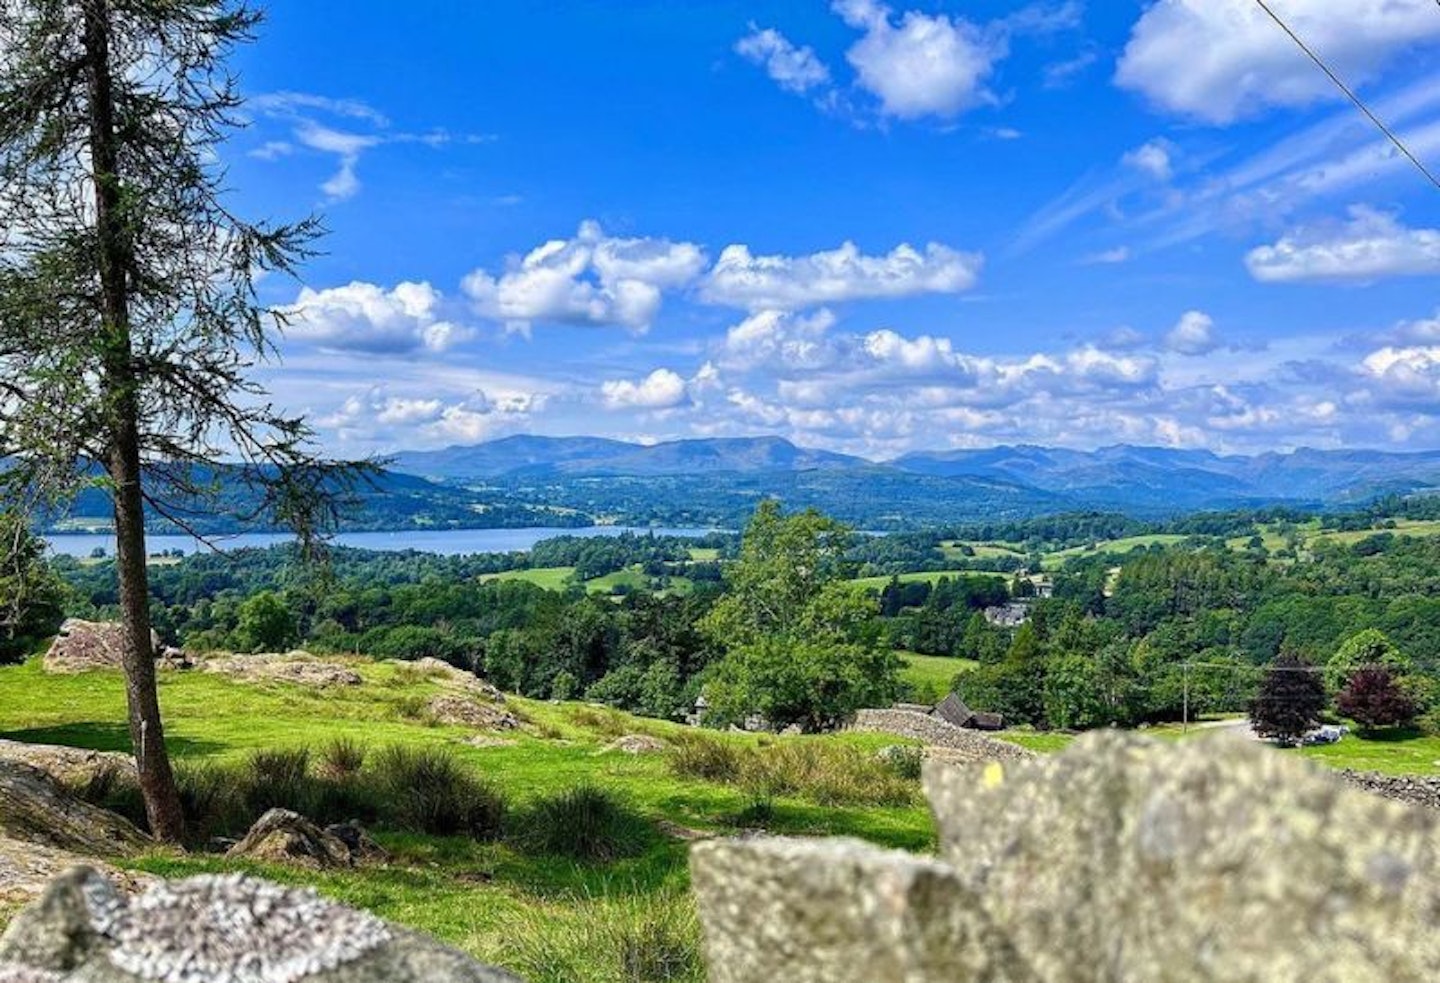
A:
[1120,860]
[935,732]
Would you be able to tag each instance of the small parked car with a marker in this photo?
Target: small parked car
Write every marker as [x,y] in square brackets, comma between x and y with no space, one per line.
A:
[1327,734]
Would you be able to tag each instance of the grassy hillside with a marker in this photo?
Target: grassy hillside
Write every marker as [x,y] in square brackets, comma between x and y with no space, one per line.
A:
[541,915]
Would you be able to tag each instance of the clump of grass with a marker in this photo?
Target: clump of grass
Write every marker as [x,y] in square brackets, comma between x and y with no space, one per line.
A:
[413,707]
[584,823]
[342,758]
[279,778]
[428,790]
[113,788]
[212,801]
[825,774]
[603,721]
[632,939]
[903,760]
[697,756]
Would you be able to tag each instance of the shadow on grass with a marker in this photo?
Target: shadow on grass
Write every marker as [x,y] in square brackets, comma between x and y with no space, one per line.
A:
[107,736]
[1389,735]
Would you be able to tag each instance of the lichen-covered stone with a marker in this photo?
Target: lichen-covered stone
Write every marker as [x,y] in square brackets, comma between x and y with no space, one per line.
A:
[213,929]
[838,911]
[296,668]
[1214,860]
[464,711]
[26,869]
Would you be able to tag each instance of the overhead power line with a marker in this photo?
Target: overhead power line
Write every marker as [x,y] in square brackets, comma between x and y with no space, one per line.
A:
[1350,93]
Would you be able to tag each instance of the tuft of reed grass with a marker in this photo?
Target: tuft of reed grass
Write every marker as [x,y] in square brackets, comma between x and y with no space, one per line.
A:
[584,823]
[428,790]
[630,939]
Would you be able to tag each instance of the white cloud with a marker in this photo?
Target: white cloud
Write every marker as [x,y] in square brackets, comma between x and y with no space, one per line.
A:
[779,338]
[1152,158]
[923,65]
[1193,334]
[1373,245]
[1404,378]
[661,389]
[363,317]
[1108,257]
[742,279]
[794,69]
[1223,60]
[590,279]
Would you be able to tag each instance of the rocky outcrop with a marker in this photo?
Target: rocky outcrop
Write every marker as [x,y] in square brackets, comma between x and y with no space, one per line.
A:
[1120,859]
[284,837]
[26,869]
[297,668]
[468,681]
[464,711]
[72,767]
[35,808]
[218,930]
[84,646]
[934,732]
[638,744]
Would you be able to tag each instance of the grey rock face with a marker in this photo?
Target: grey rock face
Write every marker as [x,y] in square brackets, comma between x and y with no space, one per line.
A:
[35,808]
[1121,860]
[210,929]
[282,836]
[84,646]
[68,765]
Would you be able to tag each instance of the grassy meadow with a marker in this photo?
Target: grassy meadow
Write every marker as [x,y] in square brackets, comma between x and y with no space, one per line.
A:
[503,901]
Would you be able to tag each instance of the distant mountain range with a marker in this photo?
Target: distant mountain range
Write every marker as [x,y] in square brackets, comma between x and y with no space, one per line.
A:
[1122,477]
[596,456]
[574,481]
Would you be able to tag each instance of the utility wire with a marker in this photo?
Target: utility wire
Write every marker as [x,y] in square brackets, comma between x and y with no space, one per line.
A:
[1350,93]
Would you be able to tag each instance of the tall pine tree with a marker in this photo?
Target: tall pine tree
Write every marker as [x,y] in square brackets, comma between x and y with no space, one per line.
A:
[128,314]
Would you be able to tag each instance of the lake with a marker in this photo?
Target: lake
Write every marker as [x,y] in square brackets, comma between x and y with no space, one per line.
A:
[449,542]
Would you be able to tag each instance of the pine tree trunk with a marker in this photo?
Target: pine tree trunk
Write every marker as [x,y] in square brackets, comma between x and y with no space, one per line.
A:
[157,781]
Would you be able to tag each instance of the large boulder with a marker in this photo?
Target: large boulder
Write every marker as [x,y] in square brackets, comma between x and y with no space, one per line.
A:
[215,929]
[284,837]
[464,711]
[1121,859]
[27,868]
[468,681]
[84,646]
[35,808]
[70,766]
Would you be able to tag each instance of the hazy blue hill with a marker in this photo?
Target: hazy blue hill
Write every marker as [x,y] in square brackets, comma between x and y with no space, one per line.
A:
[539,456]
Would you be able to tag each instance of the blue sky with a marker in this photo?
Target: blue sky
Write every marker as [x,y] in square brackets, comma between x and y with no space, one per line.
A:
[867,227]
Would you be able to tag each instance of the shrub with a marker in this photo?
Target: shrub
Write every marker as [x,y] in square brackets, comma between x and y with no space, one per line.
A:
[428,790]
[903,760]
[827,775]
[584,823]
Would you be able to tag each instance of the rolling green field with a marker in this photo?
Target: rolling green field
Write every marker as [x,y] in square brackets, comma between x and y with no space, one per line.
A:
[1109,547]
[928,577]
[549,578]
[932,673]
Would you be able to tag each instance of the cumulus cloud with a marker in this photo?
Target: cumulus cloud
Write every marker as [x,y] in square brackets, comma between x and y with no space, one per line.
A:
[1406,378]
[794,69]
[1193,334]
[661,389]
[920,65]
[1373,245]
[1152,158]
[378,417]
[779,338]
[591,279]
[1222,60]
[742,279]
[364,317]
